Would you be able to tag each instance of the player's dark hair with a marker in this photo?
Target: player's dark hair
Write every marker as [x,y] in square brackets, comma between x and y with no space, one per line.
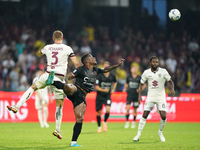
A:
[153,57]
[83,58]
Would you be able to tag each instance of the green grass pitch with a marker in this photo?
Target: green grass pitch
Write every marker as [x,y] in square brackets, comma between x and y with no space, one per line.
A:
[26,136]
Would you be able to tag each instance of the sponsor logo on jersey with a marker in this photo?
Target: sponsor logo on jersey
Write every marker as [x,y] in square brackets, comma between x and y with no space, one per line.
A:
[155,83]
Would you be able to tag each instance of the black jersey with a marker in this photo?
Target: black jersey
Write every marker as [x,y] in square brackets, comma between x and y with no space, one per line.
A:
[105,82]
[85,78]
[133,84]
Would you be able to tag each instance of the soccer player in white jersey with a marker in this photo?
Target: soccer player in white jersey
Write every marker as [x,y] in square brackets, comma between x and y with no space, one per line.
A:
[57,59]
[41,101]
[156,77]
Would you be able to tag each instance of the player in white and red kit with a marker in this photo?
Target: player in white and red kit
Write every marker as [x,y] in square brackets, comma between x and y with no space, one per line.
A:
[57,59]
[42,101]
[156,78]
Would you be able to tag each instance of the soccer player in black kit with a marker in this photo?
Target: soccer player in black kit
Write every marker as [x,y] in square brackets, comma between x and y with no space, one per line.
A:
[131,87]
[105,85]
[84,84]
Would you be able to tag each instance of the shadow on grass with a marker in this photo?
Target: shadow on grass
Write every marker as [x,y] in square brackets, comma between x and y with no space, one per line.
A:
[34,148]
[93,132]
[137,142]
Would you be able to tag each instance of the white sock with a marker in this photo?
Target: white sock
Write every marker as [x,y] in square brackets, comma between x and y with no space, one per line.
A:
[45,109]
[58,116]
[40,116]
[73,142]
[162,124]
[24,97]
[141,125]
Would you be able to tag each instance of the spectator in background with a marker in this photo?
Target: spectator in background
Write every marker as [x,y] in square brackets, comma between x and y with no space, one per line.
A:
[85,48]
[7,64]
[39,44]
[23,60]
[23,82]
[14,78]
[74,46]
[171,63]
[137,64]
[7,88]
[20,47]
[31,57]
[4,47]
[90,30]
[193,45]
[121,78]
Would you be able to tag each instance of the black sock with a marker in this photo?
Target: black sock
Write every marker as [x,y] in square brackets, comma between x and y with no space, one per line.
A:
[127,116]
[58,84]
[106,117]
[134,118]
[99,121]
[77,131]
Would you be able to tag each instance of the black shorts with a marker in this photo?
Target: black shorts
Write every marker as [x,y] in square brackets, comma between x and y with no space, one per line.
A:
[102,100]
[77,98]
[134,99]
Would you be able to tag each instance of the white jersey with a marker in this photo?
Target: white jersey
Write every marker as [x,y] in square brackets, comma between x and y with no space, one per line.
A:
[156,84]
[57,57]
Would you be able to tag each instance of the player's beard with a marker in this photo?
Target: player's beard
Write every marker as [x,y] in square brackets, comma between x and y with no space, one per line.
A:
[94,63]
[154,68]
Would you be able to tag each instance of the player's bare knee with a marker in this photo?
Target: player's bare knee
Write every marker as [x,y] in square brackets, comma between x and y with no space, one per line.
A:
[107,112]
[79,119]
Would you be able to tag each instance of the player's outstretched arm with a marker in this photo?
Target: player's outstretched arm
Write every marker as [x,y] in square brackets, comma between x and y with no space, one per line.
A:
[75,61]
[172,87]
[109,68]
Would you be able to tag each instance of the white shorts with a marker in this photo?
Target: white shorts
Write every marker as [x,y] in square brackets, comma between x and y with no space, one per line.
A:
[38,103]
[58,93]
[148,106]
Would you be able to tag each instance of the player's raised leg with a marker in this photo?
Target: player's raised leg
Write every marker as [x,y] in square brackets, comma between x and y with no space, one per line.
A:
[49,81]
[23,99]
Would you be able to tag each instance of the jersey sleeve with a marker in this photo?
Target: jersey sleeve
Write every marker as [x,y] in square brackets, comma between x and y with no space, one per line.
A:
[71,52]
[97,81]
[143,77]
[77,72]
[43,51]
[99,70]
[166,75]
[127,80]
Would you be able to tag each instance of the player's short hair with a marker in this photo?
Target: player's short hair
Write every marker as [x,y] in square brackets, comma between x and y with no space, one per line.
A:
[153,57]
[106,62]
[84,58]
[57,35]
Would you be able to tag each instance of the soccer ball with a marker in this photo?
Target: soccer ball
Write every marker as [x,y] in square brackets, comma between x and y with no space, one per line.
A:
[174,14]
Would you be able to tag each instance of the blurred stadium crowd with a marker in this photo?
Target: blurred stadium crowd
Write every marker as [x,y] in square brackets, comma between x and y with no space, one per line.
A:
[19,45]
